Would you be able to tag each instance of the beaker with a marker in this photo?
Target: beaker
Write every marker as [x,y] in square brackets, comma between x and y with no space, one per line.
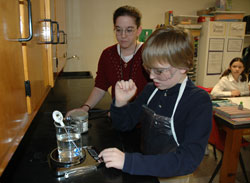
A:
[69,142]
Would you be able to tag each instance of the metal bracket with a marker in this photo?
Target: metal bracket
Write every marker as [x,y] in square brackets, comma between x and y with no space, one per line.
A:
[27,88]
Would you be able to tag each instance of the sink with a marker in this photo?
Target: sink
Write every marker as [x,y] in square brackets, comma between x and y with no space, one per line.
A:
[72,75]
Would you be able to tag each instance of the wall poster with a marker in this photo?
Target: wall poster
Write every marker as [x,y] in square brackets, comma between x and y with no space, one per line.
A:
[217,28]
[216,44]
[234,45]
[214,63]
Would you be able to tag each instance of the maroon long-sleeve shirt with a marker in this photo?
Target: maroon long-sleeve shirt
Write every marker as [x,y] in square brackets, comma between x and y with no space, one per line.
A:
[109,70]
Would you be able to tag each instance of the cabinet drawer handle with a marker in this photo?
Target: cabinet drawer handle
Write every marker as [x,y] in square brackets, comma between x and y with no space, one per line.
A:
[45,32]
[57,32]
[30,25]
[64,37]
[52,40]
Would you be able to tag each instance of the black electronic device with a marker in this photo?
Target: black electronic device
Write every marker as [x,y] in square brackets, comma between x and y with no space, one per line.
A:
[88,163]
[93,153]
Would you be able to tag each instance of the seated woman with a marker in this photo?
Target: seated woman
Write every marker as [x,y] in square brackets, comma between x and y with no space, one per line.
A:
[233,82]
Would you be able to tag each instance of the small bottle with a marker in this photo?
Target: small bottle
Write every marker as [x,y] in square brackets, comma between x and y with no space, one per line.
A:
[240,107]
[228,5]
[170,14]
[146,36]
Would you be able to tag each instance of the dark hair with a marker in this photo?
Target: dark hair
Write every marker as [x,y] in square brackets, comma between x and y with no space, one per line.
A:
[228,71]
[128,11]
[169,44]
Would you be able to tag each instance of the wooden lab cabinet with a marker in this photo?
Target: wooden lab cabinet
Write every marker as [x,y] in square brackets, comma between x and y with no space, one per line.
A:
[13,104]
[26,69]
[35,57]
[60,16]
[57,51]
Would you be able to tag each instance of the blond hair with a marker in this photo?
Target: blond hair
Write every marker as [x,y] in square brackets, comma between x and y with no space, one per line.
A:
[170,44]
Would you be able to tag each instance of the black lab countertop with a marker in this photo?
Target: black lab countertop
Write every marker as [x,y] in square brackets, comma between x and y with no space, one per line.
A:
[30,161]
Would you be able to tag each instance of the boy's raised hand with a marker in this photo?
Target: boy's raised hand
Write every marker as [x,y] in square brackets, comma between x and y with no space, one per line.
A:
[124,91]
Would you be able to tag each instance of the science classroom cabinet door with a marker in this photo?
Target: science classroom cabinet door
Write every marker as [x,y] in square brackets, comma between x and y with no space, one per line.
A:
[35,57]
[13,109]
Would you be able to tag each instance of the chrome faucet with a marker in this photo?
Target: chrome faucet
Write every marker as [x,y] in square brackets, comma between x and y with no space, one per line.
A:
[74,56]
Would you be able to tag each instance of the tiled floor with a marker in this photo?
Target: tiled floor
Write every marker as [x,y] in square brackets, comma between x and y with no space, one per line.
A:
[205,170]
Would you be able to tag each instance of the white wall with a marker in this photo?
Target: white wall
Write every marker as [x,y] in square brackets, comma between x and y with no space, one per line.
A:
[90,26]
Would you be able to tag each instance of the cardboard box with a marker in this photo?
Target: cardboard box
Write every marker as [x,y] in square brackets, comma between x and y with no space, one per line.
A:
[185,19]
